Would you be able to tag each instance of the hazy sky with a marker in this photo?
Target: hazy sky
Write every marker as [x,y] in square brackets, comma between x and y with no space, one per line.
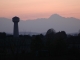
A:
[30,9]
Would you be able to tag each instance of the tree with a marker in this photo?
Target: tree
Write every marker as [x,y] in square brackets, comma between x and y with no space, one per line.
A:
[2,34]
[36,43]
[50,32]
[50,37]
[59,43]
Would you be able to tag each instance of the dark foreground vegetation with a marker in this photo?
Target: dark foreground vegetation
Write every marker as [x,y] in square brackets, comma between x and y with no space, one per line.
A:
[52,46]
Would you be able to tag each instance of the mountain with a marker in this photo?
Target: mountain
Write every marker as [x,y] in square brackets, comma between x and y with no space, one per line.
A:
[41,25]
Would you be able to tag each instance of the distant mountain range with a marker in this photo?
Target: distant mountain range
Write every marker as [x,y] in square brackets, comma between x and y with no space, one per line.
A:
[41,25]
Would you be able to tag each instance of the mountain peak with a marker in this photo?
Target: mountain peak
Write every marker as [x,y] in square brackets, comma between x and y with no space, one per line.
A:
[55,16]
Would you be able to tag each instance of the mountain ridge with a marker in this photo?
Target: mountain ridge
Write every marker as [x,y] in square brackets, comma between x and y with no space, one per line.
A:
[40,25]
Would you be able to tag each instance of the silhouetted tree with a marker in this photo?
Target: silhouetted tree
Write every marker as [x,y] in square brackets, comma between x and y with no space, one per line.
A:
[49,38]
[36,44]
[3,35]
[63,34]
[59,44]
[50,32]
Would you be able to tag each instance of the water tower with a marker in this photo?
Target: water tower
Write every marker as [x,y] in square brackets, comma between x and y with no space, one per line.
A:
[15,29]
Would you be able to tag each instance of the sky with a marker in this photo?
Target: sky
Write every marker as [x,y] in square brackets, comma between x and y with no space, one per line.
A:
[32,9]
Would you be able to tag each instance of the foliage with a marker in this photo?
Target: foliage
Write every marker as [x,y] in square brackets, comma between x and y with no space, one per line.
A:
[51,45]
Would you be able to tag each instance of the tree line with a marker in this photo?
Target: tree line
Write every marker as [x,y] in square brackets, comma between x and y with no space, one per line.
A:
[51,45]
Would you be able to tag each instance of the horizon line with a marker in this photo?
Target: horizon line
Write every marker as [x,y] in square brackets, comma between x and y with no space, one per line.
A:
[40,18]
